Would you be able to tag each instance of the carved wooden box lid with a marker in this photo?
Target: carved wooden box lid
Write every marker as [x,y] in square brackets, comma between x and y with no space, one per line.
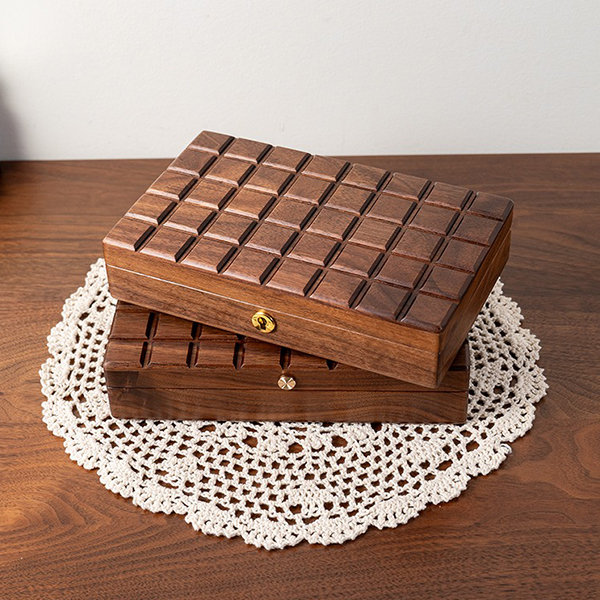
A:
[379,270]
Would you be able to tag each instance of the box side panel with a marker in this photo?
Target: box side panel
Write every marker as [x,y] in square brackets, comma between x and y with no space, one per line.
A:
[300,332]
[220,404]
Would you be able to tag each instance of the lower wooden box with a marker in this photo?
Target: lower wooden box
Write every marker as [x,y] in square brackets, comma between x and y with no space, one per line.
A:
[163,367]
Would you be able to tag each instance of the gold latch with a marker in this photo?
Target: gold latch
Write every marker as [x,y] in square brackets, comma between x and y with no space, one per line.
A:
[263,321]
[286,382]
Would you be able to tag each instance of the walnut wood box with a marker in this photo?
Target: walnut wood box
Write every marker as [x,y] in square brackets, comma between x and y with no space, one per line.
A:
[378,270]
[162,367]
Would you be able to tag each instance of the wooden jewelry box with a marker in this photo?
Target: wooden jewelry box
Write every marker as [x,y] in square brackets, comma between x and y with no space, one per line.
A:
[162,367]
[378,270]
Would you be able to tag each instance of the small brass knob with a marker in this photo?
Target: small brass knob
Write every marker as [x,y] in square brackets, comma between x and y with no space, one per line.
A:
[263,321]
[286,382]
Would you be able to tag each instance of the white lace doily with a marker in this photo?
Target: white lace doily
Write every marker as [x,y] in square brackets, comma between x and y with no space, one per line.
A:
[277,484]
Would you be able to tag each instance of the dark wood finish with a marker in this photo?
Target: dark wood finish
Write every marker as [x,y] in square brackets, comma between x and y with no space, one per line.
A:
[528,530]
[349,254]
[162,367]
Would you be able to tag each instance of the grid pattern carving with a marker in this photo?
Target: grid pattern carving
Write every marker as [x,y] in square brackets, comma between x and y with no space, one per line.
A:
[353,236]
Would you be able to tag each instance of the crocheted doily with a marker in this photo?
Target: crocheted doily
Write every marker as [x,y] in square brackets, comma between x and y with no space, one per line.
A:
[276,484]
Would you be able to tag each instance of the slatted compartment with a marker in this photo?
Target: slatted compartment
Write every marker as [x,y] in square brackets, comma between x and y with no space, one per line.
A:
[160,366]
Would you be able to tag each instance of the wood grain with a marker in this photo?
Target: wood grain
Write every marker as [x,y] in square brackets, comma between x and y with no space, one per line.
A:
[529,530]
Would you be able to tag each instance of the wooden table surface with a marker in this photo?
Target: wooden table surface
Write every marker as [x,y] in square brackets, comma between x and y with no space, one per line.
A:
[528,530]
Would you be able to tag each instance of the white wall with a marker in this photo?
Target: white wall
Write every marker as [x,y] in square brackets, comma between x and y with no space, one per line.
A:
[119,78]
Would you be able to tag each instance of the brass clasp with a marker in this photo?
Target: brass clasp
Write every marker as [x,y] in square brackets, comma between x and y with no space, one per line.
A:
[263,321]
